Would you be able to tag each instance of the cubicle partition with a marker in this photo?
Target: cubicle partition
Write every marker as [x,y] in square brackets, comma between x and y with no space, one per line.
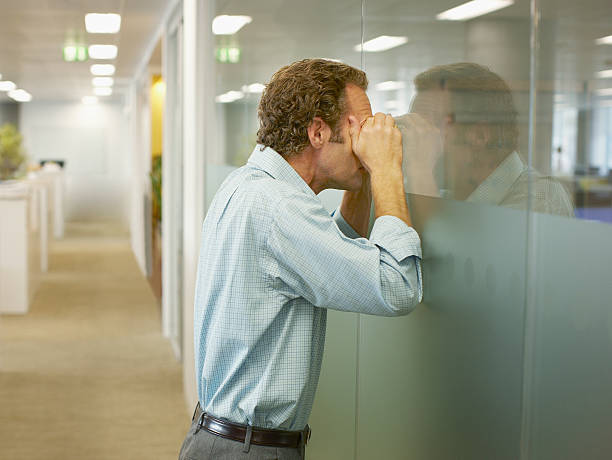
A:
[509,355]
[21,257]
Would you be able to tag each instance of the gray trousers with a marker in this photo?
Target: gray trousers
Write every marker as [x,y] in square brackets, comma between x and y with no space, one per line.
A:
[206,446]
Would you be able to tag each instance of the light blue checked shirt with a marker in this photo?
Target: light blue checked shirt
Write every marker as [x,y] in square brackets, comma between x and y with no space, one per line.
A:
[272,259]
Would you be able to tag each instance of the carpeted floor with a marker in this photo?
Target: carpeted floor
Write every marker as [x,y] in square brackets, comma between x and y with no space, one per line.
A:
[86,373]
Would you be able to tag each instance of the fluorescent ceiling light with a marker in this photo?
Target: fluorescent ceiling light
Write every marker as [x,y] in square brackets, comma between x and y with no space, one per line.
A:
[604,92]
[473,9]
[390,85]
[254,88]
[96,23]
[88,100]
[230,96]
[229,25]
[102,81]
[102,69]
[103,51]
[604,40]
[604,74]
[20,95]
[382,43]
[103,91]
[7,86]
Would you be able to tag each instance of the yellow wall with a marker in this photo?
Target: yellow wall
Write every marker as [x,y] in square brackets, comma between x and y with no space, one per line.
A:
[158,94]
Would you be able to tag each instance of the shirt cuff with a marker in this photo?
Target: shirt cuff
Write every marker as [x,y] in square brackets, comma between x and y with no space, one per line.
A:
[344,226]
[396,237]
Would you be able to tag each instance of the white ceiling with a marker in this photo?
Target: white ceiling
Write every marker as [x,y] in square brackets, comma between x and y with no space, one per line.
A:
[285,30]
[33,32]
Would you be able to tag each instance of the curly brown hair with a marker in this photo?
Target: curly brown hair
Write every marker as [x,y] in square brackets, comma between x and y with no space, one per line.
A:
[299,92]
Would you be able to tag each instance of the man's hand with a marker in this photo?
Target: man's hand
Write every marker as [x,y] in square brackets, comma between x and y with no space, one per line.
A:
[377,144]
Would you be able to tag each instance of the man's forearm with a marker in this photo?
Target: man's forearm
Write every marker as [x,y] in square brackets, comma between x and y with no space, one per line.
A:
[389,197]
[355,209]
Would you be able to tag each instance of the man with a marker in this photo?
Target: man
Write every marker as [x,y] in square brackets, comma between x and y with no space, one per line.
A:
[272,259]
[467,112]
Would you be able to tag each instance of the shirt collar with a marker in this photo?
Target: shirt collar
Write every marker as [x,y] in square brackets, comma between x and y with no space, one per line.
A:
[272,163]
[498,184]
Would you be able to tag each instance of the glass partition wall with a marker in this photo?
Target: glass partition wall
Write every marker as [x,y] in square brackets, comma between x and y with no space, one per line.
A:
[508,357]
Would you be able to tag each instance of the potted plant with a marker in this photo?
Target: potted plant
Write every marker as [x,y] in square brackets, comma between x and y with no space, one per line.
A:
[12,158]
[156,186]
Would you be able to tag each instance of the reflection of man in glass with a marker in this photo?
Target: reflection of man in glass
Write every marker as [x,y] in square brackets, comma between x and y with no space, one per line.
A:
[471,111]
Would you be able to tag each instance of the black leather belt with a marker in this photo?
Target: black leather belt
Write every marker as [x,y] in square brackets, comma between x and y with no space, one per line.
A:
[259,436]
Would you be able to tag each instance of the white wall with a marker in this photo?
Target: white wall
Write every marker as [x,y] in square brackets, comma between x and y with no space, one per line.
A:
[139,142]
[93,141]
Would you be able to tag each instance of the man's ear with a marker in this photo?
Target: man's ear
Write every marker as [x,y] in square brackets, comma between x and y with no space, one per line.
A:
[319,133]
[478,135]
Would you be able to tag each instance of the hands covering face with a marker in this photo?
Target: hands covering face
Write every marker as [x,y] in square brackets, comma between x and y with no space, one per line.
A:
[409,144]
[377,143]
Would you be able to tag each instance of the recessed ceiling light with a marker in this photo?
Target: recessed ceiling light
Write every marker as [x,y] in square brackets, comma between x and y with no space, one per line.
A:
[382,43]
[473,9]
[604,74]
[102,81]
[230,96]
[103,51]
[103,91]
[102,69]
[390,85]
[7,86]
[254,88]
[228,25]
[97,23]
[88,100]
[604,40]
[20,95]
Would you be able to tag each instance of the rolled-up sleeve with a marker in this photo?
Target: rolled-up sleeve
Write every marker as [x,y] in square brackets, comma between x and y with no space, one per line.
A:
[316,260]
[400,250]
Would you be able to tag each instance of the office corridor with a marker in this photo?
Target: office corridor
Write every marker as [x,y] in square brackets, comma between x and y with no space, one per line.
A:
[86,373]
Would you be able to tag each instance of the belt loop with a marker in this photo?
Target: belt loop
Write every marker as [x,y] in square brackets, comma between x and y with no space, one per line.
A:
[200,423]
[247,441]
[195,411]
[305,435]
